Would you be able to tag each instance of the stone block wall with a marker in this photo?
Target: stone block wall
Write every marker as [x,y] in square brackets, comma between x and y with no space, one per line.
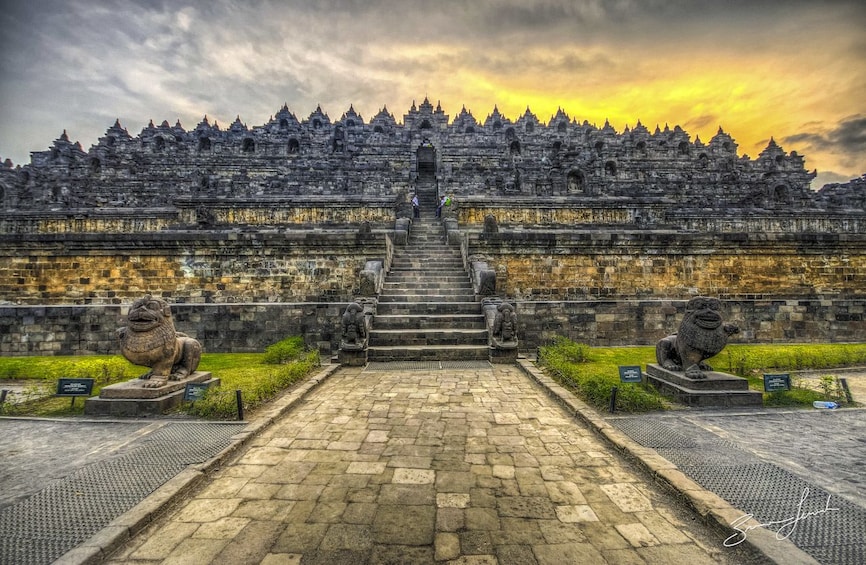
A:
[250,327]
[644,322]
[597,264]
[187,267]
[88,330]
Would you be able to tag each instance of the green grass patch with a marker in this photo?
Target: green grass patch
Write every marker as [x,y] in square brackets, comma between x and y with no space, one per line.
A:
[258,376]
[749,360]
[258,382]
[592,372]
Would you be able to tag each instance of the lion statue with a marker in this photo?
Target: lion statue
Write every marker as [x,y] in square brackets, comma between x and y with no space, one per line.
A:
[701,336]
[353,328]
[150,340]
[505,325]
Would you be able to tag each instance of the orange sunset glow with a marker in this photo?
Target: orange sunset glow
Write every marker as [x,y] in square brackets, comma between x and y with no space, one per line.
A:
[794,71]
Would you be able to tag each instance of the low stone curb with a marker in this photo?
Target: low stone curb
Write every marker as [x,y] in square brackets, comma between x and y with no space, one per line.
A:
[124,527]
[710,506]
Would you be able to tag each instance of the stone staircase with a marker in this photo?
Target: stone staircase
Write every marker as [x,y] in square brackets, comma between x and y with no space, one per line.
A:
[427,309]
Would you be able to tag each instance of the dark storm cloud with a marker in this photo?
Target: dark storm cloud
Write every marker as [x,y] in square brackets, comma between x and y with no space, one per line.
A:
[847,138]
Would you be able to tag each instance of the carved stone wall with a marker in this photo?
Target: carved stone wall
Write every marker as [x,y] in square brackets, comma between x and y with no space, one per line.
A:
[191,267]
[261,232]
[318,157]
[600,264]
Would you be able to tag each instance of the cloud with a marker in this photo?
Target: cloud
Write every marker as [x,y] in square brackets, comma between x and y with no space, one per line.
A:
[757,67]
[847,139]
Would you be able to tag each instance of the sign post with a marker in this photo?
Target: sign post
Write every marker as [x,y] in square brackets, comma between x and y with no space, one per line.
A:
[627,374]
[74,388]
[777,382]
[630,374]
[194,391]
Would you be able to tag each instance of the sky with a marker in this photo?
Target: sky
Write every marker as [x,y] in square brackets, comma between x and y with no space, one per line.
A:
[792,70]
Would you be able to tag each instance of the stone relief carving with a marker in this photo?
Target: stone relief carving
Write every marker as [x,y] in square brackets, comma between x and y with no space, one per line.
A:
[702,334]
[150,340]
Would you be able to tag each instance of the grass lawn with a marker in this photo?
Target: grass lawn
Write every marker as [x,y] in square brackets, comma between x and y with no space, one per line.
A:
[591,372]
[259,376]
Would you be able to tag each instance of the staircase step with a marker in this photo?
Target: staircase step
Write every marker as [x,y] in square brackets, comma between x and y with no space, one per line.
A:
[428,353]
[415,298]
[426,308]
[432,336]
[421,321]
[420,286]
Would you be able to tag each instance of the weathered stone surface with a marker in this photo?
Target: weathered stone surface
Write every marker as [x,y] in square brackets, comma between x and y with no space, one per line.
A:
[135,388]
[291,211]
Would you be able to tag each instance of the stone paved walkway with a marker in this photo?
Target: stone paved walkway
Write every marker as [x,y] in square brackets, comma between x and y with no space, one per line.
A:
[472,466]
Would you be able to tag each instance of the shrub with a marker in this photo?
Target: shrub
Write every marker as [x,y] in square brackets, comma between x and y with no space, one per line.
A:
[284,351]
[221,402]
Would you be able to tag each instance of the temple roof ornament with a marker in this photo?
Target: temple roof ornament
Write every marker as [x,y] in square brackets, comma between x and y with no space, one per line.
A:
[564,157]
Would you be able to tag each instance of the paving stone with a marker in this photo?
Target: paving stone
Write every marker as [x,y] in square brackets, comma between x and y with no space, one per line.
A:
[353,537]
[661,528]
[475,543]
[329,512]
[207,509]
[407,494]
[278,510]
[447,546]
[482,519]
[251,545]
[564,492]
[366,468]
[414,476]
[450,519]
[400,555]
[526,507]
[675,553]
[282,559]
[573,514]
[452,500]
[515,555]
[159,544]
[627,497]
[558,554]
[359,513]
[300,538]
[637,535]
[622,557]
[404,525]
[500,479]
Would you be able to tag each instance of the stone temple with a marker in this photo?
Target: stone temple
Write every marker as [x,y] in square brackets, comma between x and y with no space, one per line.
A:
[257,233]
